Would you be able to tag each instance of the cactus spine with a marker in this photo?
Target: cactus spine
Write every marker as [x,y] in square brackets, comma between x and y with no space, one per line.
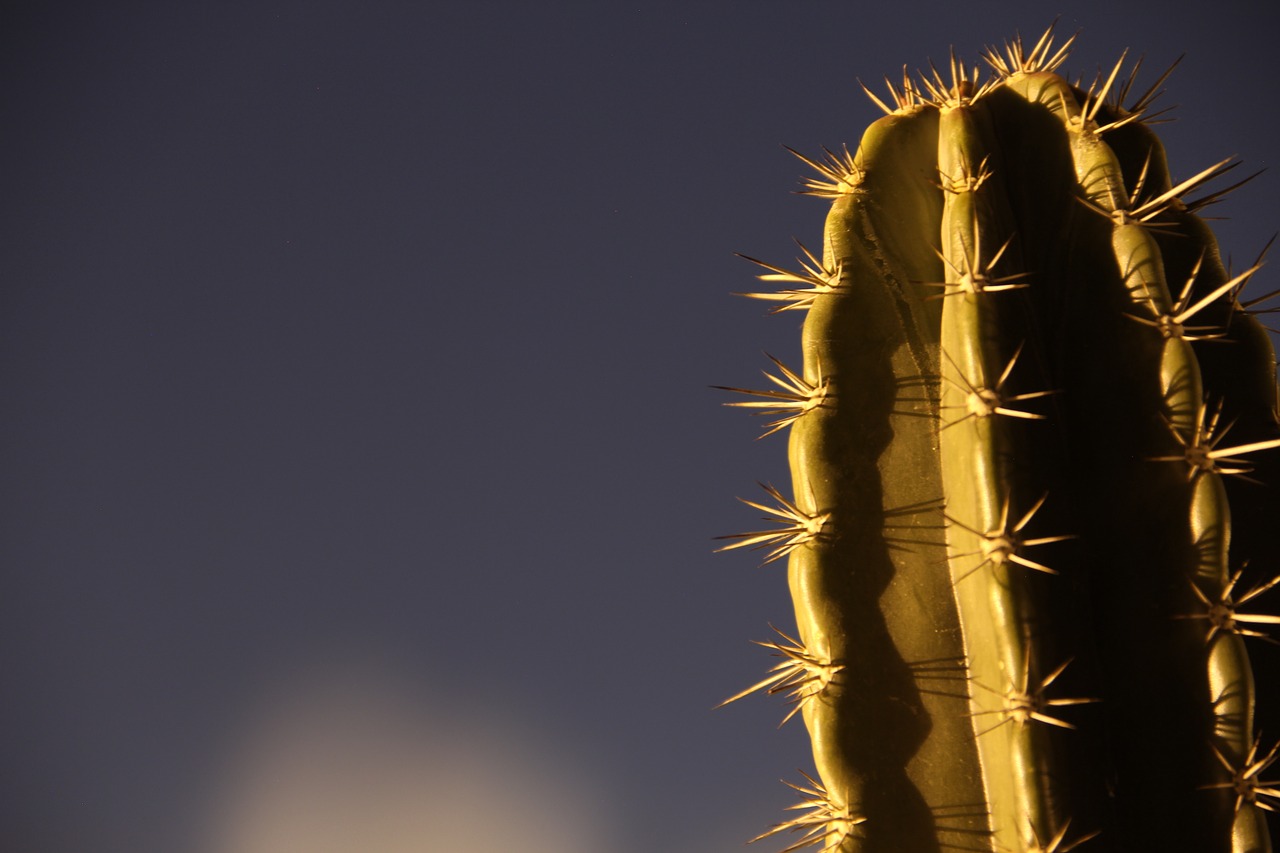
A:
[1033,454]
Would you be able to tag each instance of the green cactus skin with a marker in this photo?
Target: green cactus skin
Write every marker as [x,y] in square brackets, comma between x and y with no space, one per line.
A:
[1034,475]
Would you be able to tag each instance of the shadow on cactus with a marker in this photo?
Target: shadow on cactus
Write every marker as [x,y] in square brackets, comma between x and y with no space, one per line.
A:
[1033,443]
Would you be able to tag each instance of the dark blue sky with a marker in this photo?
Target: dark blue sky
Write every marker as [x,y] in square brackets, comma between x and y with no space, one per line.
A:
[355,362]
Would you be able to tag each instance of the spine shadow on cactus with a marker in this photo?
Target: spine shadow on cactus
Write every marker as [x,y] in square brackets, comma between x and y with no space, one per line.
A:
[1018,534]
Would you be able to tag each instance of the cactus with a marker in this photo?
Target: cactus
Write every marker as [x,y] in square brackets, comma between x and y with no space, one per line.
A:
[1033,460]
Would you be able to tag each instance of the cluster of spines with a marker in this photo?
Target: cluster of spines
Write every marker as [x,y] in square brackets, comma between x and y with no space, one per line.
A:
[973,377]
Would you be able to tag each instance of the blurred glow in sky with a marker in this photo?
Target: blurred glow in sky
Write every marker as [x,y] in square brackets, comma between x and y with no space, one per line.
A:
[354,762]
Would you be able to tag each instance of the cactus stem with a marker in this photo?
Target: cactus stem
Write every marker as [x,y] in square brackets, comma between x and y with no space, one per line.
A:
[800,528]
[826,821]
[891,509]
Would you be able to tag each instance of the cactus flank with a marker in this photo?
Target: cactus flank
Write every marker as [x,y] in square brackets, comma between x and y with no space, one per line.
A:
[1031,526]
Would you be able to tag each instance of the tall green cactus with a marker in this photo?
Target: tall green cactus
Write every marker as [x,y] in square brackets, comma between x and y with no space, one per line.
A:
[1034,484]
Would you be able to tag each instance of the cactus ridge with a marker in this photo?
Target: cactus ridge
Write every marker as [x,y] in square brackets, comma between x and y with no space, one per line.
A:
[1032,445]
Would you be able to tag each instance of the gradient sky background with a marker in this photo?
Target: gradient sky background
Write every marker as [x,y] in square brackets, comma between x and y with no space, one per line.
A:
[360,465]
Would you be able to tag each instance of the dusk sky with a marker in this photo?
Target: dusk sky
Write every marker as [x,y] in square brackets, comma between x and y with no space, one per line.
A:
[360,463]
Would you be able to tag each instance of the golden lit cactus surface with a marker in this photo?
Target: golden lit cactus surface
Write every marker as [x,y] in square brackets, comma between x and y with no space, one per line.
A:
[1034,498]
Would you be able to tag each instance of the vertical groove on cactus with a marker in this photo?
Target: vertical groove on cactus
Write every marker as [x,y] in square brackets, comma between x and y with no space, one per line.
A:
[1033,445]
